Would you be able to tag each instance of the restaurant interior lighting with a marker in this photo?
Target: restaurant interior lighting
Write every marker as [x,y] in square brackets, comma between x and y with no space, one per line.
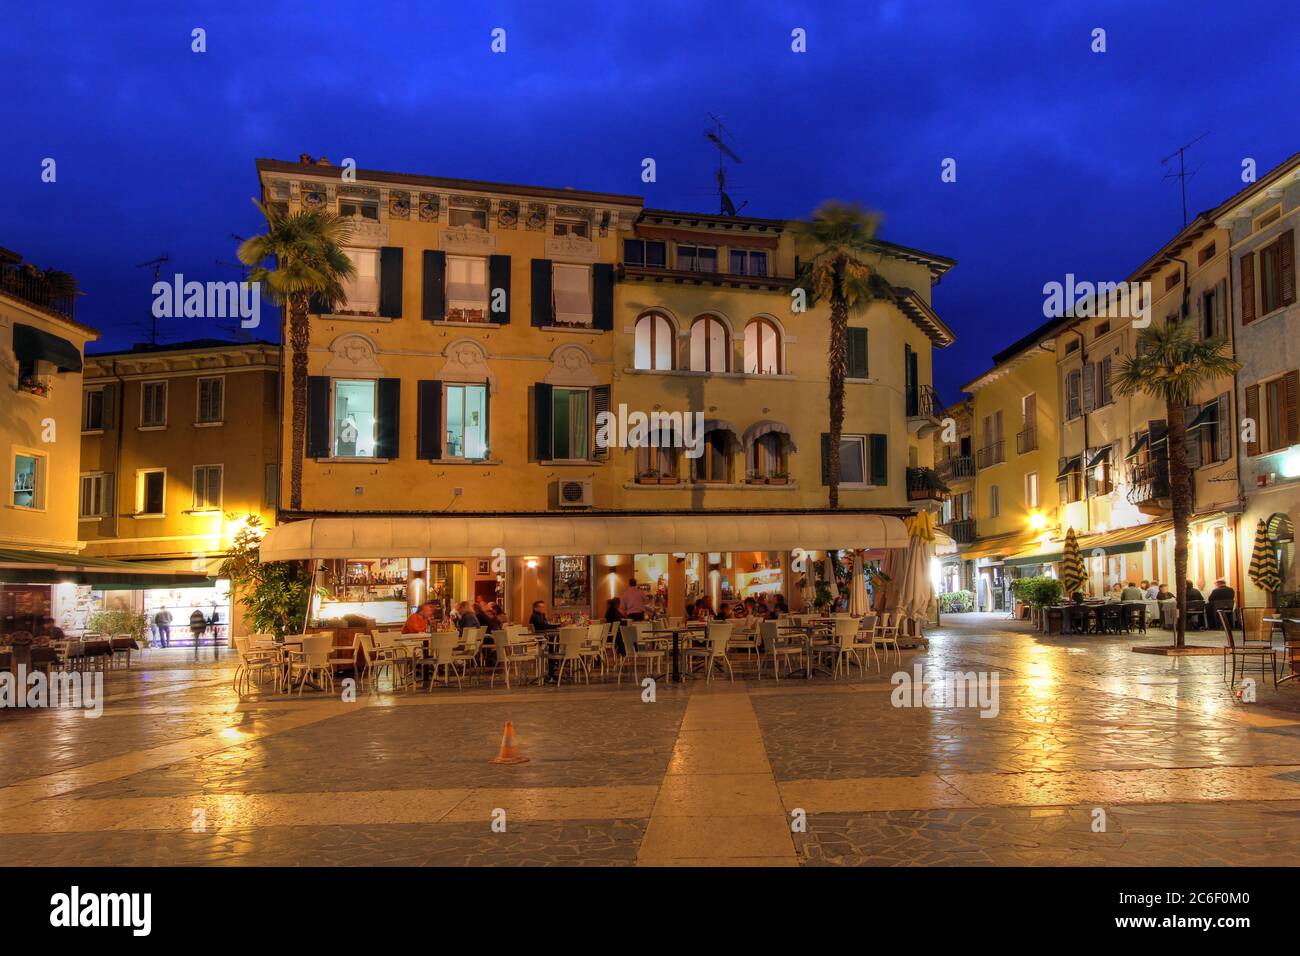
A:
[530,563]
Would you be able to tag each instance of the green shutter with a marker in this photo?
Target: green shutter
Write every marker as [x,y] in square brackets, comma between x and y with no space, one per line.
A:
[435,285]
[879,459]
[388,398]
[602,296]
[857,353]
[826,458]
[542,413]
[390,282]
[499,278]
[318,416]
[428,421]
[543,308]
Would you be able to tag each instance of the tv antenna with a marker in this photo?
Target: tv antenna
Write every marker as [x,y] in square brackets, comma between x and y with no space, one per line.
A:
[715,136]
[1182,175]
[157,270]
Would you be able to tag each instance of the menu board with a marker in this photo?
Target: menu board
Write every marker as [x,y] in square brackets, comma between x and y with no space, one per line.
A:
[571,581]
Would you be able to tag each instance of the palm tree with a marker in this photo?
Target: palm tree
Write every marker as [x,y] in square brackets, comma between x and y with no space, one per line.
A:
[306,247]
[1169,366]
[840,239]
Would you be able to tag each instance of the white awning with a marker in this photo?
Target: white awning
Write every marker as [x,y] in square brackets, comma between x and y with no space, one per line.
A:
[760,428]
[476,536]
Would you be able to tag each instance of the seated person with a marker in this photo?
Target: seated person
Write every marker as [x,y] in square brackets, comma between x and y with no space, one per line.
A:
[418,622]
[464,616]
[613,615]
[779,607]
[486,617]
[1194,593]
[1114,593]
[1222,598]
[1077,597]
[1163,593]
[537,620]
[1131,593]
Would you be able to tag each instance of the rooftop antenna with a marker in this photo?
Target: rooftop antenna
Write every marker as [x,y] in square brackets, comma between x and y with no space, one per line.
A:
[1182,175]
[715,136]
[153,319]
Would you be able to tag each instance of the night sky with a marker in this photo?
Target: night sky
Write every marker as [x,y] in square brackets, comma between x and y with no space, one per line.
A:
[1058,148]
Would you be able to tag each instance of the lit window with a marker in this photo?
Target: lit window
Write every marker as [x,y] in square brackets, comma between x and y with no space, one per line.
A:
[361,291]
[572,291]
[29,481]
[709,345]
[1031,489]
[853,459]
[467,421]
[654,342]
[460,215]
[93,500]
[151,493]
[768,456]
[359,208]
[715,464]
[569,428]
[354,419]
[762,348]
[467,289]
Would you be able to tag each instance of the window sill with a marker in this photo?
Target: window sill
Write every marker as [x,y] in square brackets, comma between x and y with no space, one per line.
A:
[202,511]
[25,508]
[151,428]
[576,329]
[334,317]
[464,461]
[90,518]
[144,516]
[354,461]
[692,373]
[575,462]
[92,431]
[713,486]
[209,424]
[465,324]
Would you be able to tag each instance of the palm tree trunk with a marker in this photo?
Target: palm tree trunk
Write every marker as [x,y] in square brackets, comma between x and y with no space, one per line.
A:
[299,339]
[1180,494]
[839,351]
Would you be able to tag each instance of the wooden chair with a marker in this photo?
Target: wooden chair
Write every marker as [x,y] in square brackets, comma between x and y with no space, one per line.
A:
[1245,650]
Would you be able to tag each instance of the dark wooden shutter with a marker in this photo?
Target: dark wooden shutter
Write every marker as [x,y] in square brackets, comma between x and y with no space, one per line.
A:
[599,403]
[1286,260]
[1246,272]
[108,507]
[1103,386]
[1089,386]
[499,278]
[1252,412]
[879,459]
[542,413]
[1224,450]
[428,420]
[826,458]
[318,416]
[390,282]
[1291,395]
[602,296]
[543,307]
[1220,327]
[1192,439]
[858,353]
[110,406]
[388,398]
[435,285]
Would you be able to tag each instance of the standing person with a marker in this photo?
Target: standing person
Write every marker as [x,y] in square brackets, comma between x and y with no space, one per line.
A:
[198,625]
[633,601]
[162,622]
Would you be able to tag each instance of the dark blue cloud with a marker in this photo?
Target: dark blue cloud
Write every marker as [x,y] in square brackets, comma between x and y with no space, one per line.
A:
[1057,148]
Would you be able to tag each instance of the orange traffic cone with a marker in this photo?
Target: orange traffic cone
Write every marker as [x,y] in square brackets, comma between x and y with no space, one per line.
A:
[509,752]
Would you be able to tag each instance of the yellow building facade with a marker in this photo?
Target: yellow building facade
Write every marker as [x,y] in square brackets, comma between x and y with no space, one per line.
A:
[494,332]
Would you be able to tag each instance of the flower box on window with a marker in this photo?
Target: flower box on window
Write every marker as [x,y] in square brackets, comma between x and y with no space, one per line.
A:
[37,385]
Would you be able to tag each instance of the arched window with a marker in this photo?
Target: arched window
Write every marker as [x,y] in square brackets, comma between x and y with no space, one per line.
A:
[762,348]
[767,457]
[714,465]
[709,345]
[655,340]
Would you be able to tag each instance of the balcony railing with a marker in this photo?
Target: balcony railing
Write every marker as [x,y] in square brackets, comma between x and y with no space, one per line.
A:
[32,289]
[962,531]
[990,455]
[1147,481]
[921,485]
[922,402]
[957,467]
[1027,440]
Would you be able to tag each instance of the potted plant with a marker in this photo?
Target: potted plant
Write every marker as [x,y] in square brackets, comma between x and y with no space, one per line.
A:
[924,483]
[34,385]
[782,477]
[648,477]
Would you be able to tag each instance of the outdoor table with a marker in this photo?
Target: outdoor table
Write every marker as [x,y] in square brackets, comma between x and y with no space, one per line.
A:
[676,633]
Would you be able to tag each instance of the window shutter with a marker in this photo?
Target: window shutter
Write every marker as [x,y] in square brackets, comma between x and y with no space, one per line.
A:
[1221,309]
[599,403]
[318,416]
[1292,398]
[435,285]
[879,459]
[541,409]
[858,367]
[1246,272]
[1103,387]
[499,278]
[1224,450]
[1192,439]
[108,507]
[390,282]
[1252,412]
[388,396]
[1089,386]
[543,307]
[428,420]
[826,458]
[1286,260]
[110,405]
[602,296]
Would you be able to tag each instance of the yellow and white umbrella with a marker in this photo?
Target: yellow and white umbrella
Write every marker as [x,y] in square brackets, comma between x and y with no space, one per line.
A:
[1073,572]
[1264,571]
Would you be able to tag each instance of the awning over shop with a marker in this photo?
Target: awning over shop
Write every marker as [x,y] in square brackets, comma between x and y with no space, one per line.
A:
[1120,541]
[38,567]
[1070,467]
[1001,544]
[422,536]
[31,344]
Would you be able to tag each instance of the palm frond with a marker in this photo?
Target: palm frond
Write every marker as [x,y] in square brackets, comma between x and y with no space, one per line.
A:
[1170,364]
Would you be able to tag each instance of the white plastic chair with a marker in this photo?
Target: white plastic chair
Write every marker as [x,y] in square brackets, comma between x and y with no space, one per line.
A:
[571,651]
[845,645]
[715,650]
[633,652]
[777,647]
[313,660]
[513,652]
[886,635]
[442,656]
[254,665]
[866,640]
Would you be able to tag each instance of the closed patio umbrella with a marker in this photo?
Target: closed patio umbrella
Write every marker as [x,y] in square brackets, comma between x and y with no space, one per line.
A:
[915,590]
[1073,572]
[828,574]
[1264,571]
[858,588]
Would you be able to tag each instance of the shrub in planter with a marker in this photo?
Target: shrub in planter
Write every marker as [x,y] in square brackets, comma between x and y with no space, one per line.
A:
[956,601]
[1038,591]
